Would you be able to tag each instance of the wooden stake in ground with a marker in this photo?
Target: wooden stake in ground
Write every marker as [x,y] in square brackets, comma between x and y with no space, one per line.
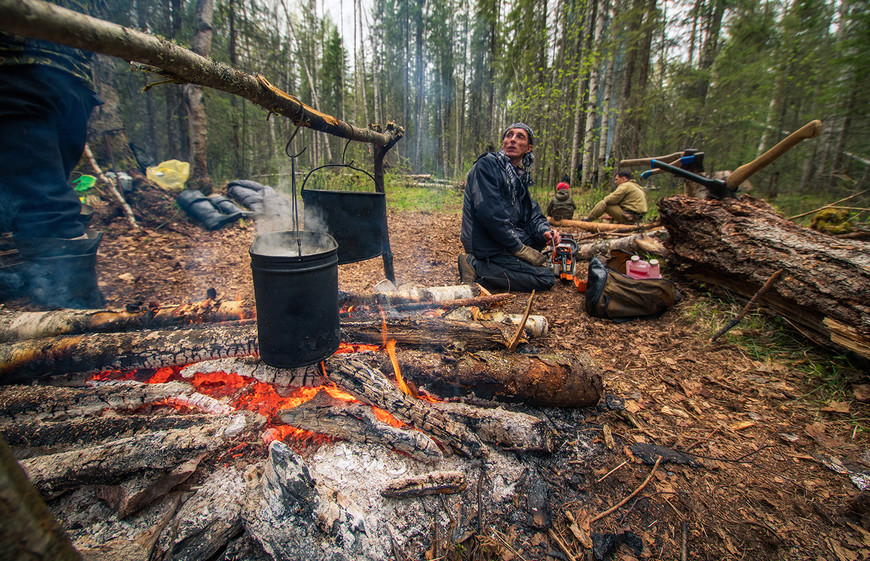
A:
[749,305]
[513,344]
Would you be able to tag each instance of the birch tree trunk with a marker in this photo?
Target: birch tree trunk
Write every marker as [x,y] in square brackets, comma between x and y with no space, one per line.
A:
[196,118]
[592,101]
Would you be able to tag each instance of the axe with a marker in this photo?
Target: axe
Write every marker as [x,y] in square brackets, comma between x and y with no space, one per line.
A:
[727,189]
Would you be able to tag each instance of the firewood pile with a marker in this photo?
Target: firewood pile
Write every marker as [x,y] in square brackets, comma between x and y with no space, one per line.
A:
[150,438]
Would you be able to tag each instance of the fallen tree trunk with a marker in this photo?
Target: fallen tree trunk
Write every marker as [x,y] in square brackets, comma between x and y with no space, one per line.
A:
[648,242]
[738,244]
[542,380]
[15,326]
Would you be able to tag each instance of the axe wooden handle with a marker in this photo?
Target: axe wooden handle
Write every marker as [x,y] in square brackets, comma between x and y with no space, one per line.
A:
[742,173]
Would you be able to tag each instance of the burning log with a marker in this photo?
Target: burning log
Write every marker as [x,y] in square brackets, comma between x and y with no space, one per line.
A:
[437,482]
[371,386]
[309,376]
[29,359]
[333,417]
[26,360]
[738,244]
[45,403]
[16,326]
[543,380]
[115,460]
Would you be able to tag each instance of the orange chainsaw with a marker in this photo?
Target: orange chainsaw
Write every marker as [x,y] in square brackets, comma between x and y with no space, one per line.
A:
[563,259]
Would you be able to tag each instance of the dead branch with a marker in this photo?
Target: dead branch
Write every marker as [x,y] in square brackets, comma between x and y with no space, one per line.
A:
[748,305]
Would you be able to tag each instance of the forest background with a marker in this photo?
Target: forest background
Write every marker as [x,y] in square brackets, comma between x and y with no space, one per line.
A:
[597,80]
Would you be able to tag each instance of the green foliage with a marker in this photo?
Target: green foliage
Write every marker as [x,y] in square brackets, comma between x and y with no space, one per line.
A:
[421,199]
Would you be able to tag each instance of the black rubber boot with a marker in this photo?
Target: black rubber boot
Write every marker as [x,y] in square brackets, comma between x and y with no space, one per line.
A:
[228,207]
[199,207]
[62,273]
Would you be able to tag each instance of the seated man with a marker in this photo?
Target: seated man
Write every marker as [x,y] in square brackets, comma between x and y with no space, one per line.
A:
[625,205]
[503,229]
[562,206]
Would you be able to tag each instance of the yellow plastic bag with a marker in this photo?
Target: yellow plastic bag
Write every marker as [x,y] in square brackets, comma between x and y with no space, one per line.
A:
[170,175]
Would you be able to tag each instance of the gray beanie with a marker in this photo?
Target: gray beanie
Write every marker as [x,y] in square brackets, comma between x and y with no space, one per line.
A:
[523,126]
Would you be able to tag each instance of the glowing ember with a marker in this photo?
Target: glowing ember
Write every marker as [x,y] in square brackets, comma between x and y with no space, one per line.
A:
[344,348]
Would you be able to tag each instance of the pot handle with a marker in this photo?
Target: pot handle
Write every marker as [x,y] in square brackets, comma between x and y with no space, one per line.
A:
[304,181]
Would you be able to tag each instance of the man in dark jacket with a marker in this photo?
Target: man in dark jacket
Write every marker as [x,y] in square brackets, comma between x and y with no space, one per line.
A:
[503,229]
[46,100]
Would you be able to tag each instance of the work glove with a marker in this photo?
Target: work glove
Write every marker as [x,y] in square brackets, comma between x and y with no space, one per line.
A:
[530,255]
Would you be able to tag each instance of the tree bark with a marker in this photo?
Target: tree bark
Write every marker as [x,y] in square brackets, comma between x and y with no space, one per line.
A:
[196,118]
[825,288]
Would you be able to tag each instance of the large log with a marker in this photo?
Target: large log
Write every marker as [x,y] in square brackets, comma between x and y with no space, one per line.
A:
[15,326]
[86,353]
[739,244]
[648,242]
[543,380]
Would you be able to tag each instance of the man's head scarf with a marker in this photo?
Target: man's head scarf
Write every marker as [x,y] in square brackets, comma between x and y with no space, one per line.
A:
[523,126]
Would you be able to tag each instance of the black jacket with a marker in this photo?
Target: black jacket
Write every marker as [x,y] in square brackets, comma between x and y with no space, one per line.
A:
[498,213]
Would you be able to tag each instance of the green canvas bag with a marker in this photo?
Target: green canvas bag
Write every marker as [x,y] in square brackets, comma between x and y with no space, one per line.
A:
[612,295]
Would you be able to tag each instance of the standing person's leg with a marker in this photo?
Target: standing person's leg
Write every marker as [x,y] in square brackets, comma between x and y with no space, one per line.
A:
[506,272]
[43,129]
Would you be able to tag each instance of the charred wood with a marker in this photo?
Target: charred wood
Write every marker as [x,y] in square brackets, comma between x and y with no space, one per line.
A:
[739,244]
[543,380]
[356,422]
[49,403]
[135,494]
[30,359]
[369,385]
[434,483]
[30,436]
[113,461]
[510,430]
[26,360]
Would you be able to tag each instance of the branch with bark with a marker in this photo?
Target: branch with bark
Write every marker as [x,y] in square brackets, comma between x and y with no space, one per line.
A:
[41,20]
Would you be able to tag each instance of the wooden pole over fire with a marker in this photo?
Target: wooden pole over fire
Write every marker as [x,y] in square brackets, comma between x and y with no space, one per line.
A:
[41,20]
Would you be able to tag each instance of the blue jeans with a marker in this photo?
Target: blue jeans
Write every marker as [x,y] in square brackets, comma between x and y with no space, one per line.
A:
[44,116]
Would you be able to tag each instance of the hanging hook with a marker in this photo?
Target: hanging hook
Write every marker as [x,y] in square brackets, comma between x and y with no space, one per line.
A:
[287,146]
[344,152]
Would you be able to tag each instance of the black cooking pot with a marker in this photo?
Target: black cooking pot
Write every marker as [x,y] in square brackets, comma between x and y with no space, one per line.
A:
[356,219]
[296,297]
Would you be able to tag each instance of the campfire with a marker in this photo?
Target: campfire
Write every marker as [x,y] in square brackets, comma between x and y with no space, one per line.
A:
[224,452]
